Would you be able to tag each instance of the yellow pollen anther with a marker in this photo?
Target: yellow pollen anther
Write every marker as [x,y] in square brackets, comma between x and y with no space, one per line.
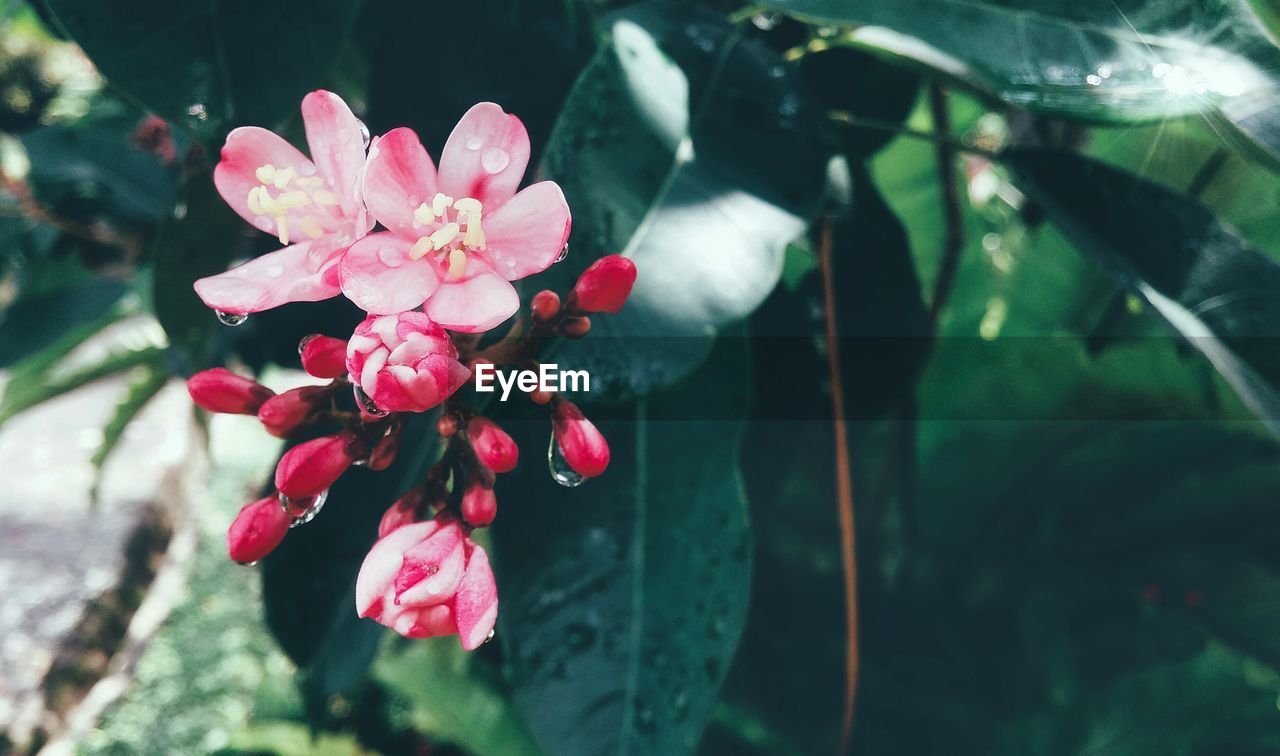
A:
[468,205]
[474,237]
[325,197]
[457,263]
[311,228]
[440,202]
[420,248]
[444,235]
[265,173]
[282,177]
[289,200]
[282,228]
[255,204]
[424,214]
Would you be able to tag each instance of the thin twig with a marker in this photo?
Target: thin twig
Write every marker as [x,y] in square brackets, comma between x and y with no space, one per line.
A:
[846,119]
[953,240]
[130,244]
[1207,173]
[844,485]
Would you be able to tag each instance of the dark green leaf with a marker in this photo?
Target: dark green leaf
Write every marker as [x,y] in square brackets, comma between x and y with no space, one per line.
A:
[142,390]
[623,599]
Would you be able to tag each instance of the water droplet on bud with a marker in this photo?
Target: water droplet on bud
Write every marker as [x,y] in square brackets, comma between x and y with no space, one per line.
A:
[303,510]
[564,252]
[254,563]
[489,637]
[302,345]
[561,472]
[366,403]
[231,318]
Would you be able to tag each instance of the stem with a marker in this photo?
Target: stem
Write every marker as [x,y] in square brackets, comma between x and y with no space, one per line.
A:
[1207,173]
[130,244]
[844,485]
[953,240]
[847,119]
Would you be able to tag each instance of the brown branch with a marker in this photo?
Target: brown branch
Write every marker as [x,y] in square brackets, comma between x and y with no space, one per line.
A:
[953,241]
[844,485]
[130,244]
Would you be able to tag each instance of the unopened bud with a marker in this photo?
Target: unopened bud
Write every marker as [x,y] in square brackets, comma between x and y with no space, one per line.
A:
[605,286]
[384,452]
[583,446]
[313,466]
[447,424]
[494,448]
[545,305]
[257,530]
[220,390]
[576,327]
[282,413]
[479,504]
[323,356]
[404,511]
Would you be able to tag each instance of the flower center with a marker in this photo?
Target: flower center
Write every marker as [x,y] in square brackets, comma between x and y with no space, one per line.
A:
[306,192]
[451,229]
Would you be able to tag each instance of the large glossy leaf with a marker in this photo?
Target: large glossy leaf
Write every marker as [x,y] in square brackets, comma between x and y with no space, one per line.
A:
[696,154]
[209,66]
[623,599]
[1212,288]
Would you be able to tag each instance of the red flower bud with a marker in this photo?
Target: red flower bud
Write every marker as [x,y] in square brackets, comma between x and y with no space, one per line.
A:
[384,452]
[403,512]
[447,424]
[583,447]
[493,447]
[257,530]
[479,504]
[605,286]
[220,390]
[323,356]
[545,305]
[576,327]
[283,412]
[312,466]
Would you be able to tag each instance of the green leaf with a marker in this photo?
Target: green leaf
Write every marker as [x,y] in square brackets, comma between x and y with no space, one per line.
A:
[696,154]
[153,378]
[1204,281]
[33,382]
[623,599]
[453,698]
[210,66]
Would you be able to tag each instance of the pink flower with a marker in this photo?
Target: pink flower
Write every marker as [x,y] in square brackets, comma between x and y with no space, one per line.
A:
[583,446]
[429,579]
[457,237]
[605,285]
[257,530]
[313,206]
[405,362]
[220,390]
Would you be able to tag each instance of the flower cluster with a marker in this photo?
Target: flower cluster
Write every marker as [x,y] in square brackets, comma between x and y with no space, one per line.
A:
[435,276]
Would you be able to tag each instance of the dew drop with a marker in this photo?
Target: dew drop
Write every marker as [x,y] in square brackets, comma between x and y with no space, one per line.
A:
[474,143]
[302,345]
[275,271]
[492,632]
[231,318]
[303,510]
[564,252]
[364,133]
[391,257]
[494,159]
[561,472]
[254,563]
[366,403]
[766,21]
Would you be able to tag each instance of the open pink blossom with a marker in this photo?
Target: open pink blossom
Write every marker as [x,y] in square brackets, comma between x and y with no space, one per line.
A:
[404,362]
[428,579]
[312,205]
[455,238]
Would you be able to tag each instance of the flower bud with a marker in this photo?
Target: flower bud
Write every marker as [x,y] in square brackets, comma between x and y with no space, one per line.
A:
[545,305]
[447,424]
[479,504]
[283,412]
[493,447]
[384,452]
[403,512]
[583,447]
[605,286]
[323,356]
[405,362]
[312,466]
[576,327]
[257,530]
[220,390]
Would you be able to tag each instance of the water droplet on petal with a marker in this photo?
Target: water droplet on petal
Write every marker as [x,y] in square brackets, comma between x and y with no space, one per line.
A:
[366,403]
[391,257]
[303,510]
[494,159]
[559,467]
[275,271]
[564,252]
[231,318]
[364,134]
[489,637]
[474,143]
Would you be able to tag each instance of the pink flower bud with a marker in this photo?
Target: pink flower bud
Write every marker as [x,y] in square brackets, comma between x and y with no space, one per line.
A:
[405,362]
[605,286]
[312,466]
[283,412]
[220,390]
[403,512]
[324,356]
[582,445]
[257,530]
[545,305]
[493,447]
[479,504]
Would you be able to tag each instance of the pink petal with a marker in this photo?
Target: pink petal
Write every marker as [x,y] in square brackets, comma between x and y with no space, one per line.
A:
[398,178]
[485,156]
[475,304]
[432,569]
[475,606]
[247,149]
[293,274]
[424,622]
[336,140]
[378,275]
[526,235]
[378,572]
